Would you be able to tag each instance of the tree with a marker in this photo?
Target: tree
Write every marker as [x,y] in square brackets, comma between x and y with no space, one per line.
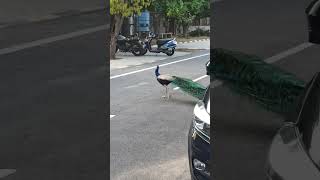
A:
[158,7]
[183,12]
[118,10]
[204,9]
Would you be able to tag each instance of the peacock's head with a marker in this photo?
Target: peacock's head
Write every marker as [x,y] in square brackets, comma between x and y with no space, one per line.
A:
[157,71]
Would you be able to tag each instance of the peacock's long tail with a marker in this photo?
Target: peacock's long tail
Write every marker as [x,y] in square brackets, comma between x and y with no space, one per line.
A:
[190,87]
[249,75]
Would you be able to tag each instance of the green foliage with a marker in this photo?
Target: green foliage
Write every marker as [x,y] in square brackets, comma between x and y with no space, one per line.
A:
[204,9]
[125,8]
[249,75]
[158,6]
[192,88]
[183,11]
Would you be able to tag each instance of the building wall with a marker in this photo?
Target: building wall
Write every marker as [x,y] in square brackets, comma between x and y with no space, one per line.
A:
[205,28]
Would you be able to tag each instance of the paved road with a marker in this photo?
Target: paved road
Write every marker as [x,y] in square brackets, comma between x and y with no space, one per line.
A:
[265,28]
[149,134]
[54,99]
[18,11]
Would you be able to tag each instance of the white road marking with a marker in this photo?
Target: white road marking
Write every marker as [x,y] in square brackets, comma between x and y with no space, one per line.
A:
[276,57]
[136,85]
[165,64]
[52,39]
[6,172]
[199,78]
[288,52]
[195,80]
[111,116]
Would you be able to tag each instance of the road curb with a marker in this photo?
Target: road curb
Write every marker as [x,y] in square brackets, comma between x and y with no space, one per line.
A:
[184,42]
[54,16]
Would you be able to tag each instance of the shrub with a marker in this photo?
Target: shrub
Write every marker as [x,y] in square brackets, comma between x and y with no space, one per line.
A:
[199,32]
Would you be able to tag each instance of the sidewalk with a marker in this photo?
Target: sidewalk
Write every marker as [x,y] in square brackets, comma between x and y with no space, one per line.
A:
[127,59]
[20,11]
[194,44]
[192,39]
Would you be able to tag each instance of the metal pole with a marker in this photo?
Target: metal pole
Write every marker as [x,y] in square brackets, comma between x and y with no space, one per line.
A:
[131,21]
[131,24]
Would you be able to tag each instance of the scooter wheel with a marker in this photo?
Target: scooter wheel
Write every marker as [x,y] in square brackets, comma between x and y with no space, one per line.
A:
[170,52]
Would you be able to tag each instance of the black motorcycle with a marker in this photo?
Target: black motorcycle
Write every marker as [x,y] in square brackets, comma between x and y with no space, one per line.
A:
[133,45]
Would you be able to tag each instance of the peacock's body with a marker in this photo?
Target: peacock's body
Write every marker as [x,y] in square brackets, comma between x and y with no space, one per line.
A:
[192,88]
[249,75]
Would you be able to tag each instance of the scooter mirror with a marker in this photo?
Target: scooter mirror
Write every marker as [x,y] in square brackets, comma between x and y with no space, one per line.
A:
[151,34]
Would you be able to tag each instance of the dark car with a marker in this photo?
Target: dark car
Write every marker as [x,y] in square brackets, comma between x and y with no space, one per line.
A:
[199,140]
[295,151]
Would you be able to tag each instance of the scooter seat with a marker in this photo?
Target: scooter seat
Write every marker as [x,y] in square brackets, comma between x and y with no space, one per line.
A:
[163,41]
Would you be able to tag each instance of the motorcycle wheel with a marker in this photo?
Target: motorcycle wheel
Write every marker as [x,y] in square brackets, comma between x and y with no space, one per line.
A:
[138,51]
[144,51]
[117,49]
[170,52]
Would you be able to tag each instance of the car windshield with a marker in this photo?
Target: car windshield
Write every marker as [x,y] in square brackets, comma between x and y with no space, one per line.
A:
[308,121]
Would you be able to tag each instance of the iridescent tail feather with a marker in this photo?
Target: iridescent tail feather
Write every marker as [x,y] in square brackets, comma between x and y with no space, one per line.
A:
[249,75]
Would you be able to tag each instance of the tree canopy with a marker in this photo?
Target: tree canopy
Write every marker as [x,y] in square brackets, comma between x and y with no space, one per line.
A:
[183,11]
[126,8]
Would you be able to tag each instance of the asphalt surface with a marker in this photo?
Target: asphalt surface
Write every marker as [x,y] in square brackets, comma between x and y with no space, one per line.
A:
[54,101]
[243,131]
[148,135]
[18,11]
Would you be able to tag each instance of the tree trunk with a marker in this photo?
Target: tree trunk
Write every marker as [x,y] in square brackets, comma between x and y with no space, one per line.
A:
[156,23]
[166,26]
[116,23]
[185,30]
[172,26]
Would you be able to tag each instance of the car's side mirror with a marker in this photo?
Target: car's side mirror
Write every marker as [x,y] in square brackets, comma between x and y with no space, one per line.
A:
[313,16]
[208,67]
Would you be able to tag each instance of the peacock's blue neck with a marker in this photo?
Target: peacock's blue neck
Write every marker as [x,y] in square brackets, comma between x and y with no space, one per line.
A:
[157,71]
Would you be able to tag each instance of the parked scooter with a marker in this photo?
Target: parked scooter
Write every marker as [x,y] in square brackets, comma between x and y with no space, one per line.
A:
[133,45]
[166,46]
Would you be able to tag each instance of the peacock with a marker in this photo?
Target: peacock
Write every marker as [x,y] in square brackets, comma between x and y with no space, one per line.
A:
[186,85]
[268,85]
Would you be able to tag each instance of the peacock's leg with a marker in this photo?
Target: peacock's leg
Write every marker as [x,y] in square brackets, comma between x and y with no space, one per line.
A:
[168,93]
[165,95]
